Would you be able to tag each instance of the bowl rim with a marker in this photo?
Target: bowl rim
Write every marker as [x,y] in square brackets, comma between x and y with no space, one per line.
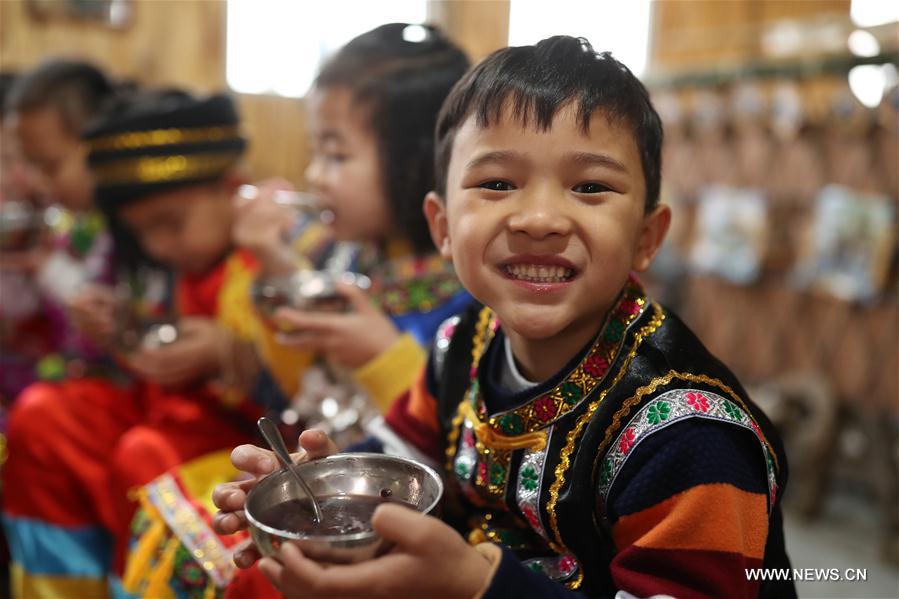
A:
[355,536]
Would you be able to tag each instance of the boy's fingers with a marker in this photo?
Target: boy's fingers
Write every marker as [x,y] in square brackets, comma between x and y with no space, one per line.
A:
[229,496]
[317,444]
[246,556]
[406,527]
[272,570]
[254,460]
[228,523]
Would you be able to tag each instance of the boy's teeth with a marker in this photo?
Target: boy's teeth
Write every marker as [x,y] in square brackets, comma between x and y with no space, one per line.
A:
[539,273]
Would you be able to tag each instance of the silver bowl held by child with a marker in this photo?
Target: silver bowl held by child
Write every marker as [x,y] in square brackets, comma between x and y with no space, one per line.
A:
[305,290]
[277,508]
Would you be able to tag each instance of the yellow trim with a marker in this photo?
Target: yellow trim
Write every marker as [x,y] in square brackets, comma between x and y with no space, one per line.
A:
[574,434]
[392,372]
[133,140]
[534,441]
[485,322]
[139,558]
[30,586]
[158,585]
[159,169]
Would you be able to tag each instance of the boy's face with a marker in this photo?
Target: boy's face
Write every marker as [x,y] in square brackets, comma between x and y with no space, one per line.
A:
[545,226]
[58,155]
[345,170]
[187,229]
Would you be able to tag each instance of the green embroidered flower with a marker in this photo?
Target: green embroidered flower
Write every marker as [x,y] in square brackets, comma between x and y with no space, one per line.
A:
[658,412]
[571,393]
[511,424]
[529,477]
[733,411]
[497,474]
[463,469]
[614,330]
[605,472]
[535,567]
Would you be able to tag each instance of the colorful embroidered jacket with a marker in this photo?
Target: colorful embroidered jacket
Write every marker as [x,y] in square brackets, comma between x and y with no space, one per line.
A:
[641,467]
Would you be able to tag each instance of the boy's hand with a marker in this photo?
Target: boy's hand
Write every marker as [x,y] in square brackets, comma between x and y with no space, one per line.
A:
[193,357]
[349,339]
[230,498]
[92,311]
[430,559]
[261,226]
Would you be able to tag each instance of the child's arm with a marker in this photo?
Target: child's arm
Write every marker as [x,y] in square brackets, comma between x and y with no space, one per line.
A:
[688,512]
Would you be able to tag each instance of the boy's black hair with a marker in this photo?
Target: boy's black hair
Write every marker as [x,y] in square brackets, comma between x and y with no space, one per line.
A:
[536,81]
[402,80]
[77,90]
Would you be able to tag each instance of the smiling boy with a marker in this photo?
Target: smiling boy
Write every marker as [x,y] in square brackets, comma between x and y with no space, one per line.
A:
[593,446]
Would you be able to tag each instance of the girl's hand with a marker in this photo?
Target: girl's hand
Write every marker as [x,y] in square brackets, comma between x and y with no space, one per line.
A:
[430,559]
[195,356]
[349,339]
[261,226]
[92,311]
[231,497]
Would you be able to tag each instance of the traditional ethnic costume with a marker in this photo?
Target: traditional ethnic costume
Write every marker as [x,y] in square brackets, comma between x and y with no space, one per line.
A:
[642,466]
[77,448]
[174,552]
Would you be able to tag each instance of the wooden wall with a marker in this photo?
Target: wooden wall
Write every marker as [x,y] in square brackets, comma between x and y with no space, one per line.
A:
[182,42]
[688,34]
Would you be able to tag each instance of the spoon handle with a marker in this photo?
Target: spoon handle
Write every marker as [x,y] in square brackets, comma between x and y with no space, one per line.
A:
[276,442]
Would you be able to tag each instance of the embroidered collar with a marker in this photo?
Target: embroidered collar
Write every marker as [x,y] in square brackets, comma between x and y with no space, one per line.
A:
[412,283]
[546,406]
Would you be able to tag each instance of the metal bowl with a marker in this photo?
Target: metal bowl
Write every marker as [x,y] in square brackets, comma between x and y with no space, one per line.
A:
[371,476]
[305,290]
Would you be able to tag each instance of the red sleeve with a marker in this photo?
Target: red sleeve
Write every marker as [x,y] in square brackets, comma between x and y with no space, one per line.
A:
[413,416]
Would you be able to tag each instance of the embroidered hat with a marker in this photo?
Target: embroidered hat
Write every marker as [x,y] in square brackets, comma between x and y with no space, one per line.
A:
[160,141]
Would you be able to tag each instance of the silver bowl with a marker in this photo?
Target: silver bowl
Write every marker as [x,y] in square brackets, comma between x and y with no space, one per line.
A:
[305,290]
[366,478]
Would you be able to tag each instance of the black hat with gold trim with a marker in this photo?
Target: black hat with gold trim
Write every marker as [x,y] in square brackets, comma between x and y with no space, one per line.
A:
[159,141]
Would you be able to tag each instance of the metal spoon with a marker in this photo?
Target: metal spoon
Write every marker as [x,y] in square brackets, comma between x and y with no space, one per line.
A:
[276,442]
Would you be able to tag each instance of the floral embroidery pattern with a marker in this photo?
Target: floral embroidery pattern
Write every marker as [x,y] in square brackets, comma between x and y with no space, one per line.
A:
[626,441]
[527,491]
[673,406]
[179,514]
[537,413]
[698,401]
[658,412]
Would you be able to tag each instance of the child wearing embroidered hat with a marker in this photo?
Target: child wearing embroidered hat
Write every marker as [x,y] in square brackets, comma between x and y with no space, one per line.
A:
[165,165]
[593,446]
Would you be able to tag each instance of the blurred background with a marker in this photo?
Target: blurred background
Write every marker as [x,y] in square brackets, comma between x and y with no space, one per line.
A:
[781,163]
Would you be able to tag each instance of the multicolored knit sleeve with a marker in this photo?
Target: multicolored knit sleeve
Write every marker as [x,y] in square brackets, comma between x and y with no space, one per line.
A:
[686,488]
